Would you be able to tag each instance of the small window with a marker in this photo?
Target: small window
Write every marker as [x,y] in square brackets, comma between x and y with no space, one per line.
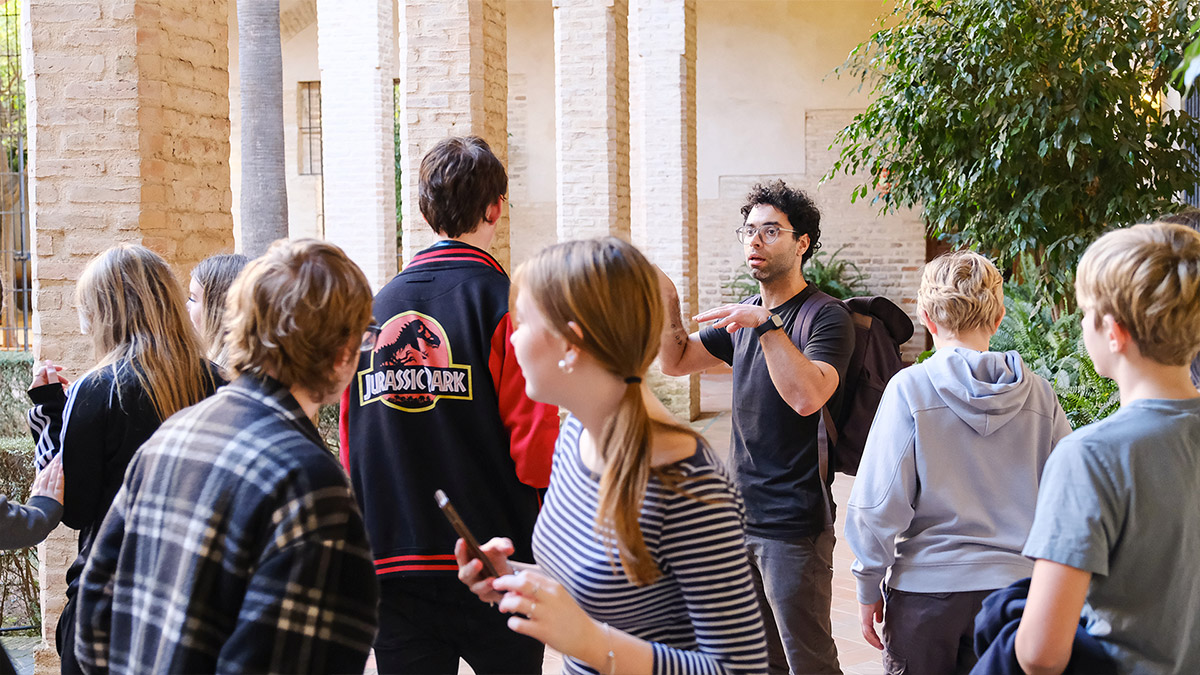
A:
[310,128]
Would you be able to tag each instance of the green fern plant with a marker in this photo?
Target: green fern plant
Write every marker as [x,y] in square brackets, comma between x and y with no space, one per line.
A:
[1053,348]
[835,275]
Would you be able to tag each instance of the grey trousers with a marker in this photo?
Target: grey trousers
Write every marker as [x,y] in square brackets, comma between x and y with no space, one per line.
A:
[929,633]
[794,584]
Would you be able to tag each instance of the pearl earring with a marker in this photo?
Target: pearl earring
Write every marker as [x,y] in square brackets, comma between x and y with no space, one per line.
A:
[565,366]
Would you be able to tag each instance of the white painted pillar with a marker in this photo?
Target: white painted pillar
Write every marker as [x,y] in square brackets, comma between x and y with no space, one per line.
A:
[663,151]
[355,50]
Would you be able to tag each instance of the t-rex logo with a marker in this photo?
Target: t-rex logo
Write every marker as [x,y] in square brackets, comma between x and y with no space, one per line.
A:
[412,367]
[406,348]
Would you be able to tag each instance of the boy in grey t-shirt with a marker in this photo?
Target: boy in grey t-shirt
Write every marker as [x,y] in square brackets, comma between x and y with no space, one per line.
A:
[1116,522]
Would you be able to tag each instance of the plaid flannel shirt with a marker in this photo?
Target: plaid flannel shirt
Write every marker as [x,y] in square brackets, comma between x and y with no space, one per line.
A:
[234,545]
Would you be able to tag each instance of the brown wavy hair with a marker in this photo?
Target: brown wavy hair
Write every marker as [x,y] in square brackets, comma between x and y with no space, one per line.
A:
[132,306]
[460,178]
[215,275]
[292,312]
[609,289]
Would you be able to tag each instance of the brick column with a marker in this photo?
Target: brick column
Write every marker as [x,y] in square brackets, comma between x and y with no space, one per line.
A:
[591,83]
[662,35]
[128,115]
[356,52]
[454,82]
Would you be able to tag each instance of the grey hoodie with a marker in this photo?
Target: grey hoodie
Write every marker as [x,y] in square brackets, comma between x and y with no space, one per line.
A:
[945,494]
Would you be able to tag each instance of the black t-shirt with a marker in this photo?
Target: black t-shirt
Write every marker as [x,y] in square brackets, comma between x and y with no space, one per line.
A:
[774,449]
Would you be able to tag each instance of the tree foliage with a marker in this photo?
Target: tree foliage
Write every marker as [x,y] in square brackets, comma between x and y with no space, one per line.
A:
[1023,125]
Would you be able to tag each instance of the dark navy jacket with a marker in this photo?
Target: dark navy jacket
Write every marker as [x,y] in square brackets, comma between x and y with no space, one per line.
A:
[440,405]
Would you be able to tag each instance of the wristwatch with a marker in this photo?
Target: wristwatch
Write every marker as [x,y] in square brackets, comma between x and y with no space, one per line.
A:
[770,324]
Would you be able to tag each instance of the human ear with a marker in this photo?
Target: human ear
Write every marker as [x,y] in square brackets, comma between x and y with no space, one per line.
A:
[1117,336]
[927,322]
[575,329]
[802,245]
[494,210]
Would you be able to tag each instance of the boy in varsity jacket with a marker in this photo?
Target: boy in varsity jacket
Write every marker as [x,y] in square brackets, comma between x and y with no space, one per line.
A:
[440,404]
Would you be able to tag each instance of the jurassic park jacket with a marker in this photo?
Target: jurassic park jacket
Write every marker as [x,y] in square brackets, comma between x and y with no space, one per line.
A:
[440,404]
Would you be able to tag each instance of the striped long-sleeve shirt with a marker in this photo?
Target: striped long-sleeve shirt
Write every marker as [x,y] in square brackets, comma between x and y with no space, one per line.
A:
[701,614]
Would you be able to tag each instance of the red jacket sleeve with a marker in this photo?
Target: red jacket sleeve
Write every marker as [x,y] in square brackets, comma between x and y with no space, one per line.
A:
[532,427]
[344,430]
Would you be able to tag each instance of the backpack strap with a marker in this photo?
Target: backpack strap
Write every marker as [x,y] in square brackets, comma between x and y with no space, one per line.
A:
[827,435]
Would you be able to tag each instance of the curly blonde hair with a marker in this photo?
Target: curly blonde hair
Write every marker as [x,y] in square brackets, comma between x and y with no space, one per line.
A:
[962,291]
[1147,277]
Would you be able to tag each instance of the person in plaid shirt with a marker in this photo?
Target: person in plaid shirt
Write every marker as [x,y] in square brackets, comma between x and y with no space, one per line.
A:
[235,544]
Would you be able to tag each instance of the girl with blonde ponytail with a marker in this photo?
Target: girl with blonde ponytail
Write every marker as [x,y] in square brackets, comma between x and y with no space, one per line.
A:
[149,366]
[640,547]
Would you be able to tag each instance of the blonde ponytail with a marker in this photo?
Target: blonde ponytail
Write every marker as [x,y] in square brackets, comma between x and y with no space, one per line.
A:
[626,452]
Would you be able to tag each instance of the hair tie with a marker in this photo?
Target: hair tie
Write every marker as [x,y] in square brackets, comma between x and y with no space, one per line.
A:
[633,380]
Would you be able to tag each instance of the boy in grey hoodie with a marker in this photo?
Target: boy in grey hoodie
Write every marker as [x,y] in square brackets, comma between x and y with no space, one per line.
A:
[946,491]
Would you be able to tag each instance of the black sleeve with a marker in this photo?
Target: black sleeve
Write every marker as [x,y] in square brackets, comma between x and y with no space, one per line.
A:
[45,421]
[22,526]
[718,342]
[832,339]
[83,444]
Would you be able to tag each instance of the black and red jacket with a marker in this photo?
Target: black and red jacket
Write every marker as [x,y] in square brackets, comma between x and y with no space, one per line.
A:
[440,404]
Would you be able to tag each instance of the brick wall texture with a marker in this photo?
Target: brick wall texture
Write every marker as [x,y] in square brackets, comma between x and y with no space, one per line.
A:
[355,49]
[128,116]
[454,81]
[591,58]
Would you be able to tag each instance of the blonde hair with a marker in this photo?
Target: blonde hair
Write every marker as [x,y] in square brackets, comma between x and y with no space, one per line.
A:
[1147,277]
[292,312]
[215,275]
[962,291]
[609,289]
[133,308]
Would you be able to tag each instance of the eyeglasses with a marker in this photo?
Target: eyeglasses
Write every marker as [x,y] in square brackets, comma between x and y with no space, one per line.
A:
[768,233]
[370,337]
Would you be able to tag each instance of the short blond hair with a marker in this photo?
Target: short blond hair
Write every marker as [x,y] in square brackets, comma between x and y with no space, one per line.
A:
[291,313]
[1147,277]
[962,291]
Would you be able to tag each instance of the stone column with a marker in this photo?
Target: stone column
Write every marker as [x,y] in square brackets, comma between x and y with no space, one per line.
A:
[128,116]
[663,122]
[355,48]
[591,82]
[454,82]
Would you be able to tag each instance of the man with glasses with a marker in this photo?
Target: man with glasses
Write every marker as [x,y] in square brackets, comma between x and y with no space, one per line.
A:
[781,380]
[439,403]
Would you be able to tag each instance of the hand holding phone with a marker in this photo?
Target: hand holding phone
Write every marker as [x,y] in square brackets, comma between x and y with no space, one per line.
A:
[460,527]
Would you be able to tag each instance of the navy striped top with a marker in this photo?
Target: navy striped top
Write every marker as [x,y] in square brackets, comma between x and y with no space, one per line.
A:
[701,615]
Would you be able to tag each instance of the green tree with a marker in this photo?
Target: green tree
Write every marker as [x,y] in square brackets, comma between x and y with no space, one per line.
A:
[1023,126]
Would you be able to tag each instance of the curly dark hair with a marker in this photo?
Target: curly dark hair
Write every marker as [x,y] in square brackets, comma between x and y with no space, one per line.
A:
[801,211]
[460,178]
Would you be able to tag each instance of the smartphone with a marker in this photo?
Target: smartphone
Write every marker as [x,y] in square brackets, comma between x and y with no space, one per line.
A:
[460,527]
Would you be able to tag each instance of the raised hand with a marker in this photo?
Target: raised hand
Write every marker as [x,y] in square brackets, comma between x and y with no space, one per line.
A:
[735,316]
[46,372]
